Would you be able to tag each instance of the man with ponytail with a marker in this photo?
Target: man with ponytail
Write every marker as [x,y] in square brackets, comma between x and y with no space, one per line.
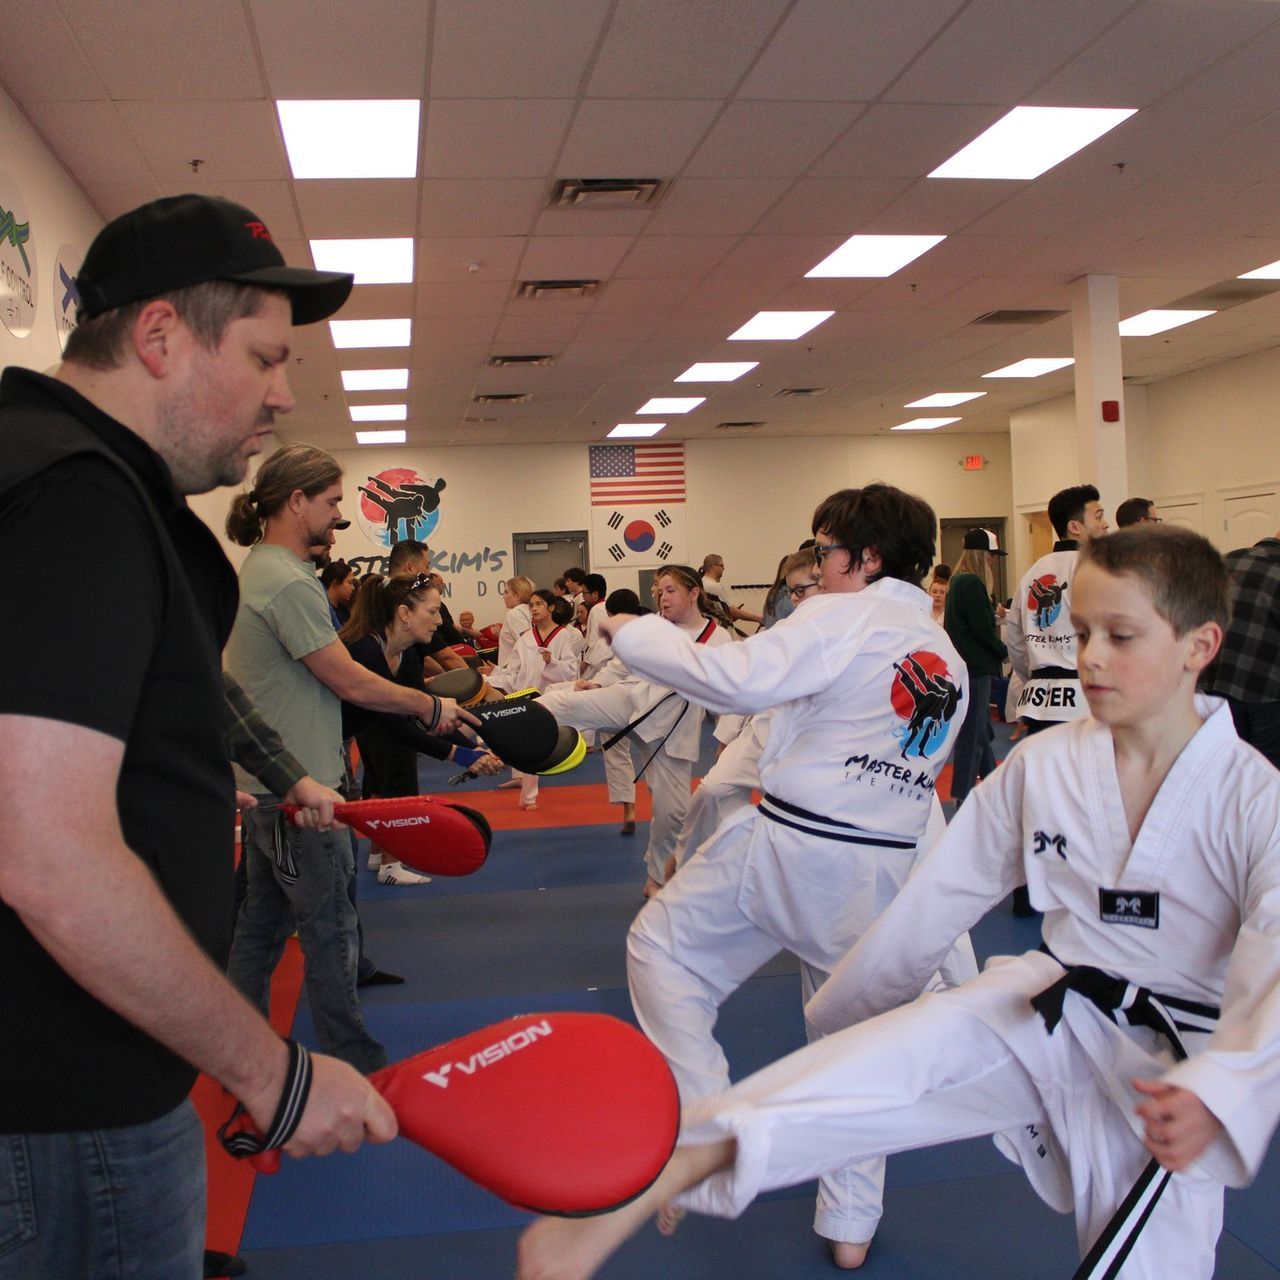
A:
[284,653]
[117,841]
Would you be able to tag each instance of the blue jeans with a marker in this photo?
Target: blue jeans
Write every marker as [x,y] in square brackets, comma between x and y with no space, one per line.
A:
[325,917]
[973,754]
[111,1204]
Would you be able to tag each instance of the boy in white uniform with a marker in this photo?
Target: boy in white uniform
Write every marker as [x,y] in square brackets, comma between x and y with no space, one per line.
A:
[1150,836]
[865,692]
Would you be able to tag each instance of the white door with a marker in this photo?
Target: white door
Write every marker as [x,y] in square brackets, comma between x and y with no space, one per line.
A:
[1185,512]
[1249,517]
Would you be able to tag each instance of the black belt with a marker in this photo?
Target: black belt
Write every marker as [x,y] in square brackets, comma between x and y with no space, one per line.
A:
[1053,673]
[814,824]
[1125,1003]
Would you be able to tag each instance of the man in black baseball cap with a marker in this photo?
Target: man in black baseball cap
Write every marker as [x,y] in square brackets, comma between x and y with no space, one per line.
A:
[115,885]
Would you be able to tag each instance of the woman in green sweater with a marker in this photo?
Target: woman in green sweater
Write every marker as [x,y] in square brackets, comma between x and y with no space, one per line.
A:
[970,621]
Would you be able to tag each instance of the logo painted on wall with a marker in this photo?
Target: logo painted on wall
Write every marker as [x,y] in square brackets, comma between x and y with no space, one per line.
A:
[18,279]
[66,295]
[398,503]
[925,696]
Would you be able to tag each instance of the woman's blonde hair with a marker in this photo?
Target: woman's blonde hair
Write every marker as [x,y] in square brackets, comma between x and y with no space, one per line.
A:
[978,563]
[522,586]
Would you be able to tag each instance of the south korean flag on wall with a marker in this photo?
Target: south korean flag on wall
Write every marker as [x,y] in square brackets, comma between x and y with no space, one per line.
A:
[637,537]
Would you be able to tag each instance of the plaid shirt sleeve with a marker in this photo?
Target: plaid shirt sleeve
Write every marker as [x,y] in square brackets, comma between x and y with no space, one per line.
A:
[1249,666]
[254,745]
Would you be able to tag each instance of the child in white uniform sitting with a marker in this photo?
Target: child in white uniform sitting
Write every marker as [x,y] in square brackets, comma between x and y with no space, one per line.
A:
[1132,1066]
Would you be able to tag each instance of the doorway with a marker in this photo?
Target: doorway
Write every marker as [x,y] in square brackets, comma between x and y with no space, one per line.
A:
[545,556]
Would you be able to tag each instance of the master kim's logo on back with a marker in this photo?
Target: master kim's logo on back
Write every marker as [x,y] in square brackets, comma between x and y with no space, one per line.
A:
[925,697]
[1044,600]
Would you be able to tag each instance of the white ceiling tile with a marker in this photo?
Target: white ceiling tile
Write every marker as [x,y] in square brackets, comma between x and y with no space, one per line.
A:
[494,49]
[931,207]
[1033,38]
[581,257]
[611,138]
[431,329]
[235,140]
[46,63]
[673,49]
[651,296]
[830,206]
[469,298]
[515,331]
[488,138]
[156,50]
[904,140]
[334,208]
[596,222]
[310,50]
[1152,50]
[774,257]
[480,206]
[111,199]
[1244,78]
[453,258]
[674,257]
[770,139]
[834,50]
[92,143]
[719,206]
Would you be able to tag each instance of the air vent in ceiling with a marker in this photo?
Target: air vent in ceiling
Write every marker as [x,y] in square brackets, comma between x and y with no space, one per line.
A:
[1018,317]
[557,288]
[520,362]
[736,426]
[472,420]
[801,393]
[1226,294]
[605,193]
[501,397]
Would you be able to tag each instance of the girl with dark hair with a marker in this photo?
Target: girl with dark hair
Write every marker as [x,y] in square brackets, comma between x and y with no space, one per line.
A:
[389,619]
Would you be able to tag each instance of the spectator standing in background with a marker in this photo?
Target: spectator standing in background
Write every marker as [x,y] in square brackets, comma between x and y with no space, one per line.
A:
[1136,511]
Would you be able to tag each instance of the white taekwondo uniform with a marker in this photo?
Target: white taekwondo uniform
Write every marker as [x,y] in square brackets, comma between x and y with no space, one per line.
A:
[1190,910]
[867,695]
[1042,641]
[514,625]
[675,725]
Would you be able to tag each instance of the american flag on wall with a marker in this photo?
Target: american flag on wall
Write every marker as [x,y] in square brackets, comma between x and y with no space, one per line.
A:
[626,474]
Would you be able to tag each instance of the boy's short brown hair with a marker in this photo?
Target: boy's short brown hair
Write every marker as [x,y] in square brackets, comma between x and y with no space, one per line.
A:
[1183,572]
[898,525]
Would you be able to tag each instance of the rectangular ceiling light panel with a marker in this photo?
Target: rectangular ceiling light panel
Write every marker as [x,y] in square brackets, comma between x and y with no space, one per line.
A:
[779,326]
[1029,141]
[1145,323]
[370,261]
[1034,368]
[1270,272]
[381,437]
[944,400]
[379,412]
[671,404]
[632,430]
[924,424]
[375,379]
[717,371]
[872,256]
[365,138]
[371,333]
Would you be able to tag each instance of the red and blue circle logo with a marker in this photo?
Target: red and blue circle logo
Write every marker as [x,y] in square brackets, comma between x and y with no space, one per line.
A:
[639,535]
[925,697]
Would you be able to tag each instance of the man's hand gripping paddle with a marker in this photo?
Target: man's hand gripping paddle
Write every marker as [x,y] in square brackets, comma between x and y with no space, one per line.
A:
[562,1113]
[424,833]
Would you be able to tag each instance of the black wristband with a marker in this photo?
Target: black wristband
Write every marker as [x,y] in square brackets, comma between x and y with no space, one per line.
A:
[293,1100]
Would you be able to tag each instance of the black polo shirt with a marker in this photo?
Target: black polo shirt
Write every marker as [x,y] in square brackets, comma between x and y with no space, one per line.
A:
[120,600]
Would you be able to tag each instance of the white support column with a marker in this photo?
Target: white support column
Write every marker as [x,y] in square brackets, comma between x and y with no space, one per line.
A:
[1095,320]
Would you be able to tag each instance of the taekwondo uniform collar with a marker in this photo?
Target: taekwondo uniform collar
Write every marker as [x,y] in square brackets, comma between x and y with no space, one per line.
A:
[1066,544]
[903,592]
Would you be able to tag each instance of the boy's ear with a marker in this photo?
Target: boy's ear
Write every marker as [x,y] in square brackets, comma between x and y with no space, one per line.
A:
[1204,643]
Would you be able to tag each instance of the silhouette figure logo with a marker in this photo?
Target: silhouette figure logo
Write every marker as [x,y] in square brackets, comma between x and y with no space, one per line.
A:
[1044,600]
[925,697]
[398,503]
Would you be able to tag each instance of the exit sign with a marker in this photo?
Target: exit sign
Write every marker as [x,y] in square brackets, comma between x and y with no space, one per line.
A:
[974,462]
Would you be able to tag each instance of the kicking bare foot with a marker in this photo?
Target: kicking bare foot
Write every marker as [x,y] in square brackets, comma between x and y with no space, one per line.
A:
[670,1216]
[575,1248]
[847,1256]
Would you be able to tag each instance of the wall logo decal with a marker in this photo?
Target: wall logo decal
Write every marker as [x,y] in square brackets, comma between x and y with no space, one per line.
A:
[18,267]
[399,503]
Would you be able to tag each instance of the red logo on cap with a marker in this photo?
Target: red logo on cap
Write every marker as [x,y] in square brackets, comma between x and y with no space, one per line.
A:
[258,230]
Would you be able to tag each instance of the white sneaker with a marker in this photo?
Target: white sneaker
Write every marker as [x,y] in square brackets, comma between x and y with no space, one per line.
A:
[398,873]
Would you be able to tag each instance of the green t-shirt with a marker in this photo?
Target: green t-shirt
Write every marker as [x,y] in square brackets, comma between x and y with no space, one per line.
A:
[283,616]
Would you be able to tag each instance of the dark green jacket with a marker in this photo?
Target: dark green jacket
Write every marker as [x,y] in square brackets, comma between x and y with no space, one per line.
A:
[970,621]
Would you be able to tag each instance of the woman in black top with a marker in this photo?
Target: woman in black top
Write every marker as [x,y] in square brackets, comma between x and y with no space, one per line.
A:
[389,619]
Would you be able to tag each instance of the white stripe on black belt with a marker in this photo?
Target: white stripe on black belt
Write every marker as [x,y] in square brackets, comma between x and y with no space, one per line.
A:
[792,815]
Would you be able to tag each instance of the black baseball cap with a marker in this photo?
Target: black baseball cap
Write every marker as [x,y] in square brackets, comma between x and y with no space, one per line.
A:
[184,240]
[983,540]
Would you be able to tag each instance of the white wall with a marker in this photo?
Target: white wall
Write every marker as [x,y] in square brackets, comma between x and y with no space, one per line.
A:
[59,214]
[748,500]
